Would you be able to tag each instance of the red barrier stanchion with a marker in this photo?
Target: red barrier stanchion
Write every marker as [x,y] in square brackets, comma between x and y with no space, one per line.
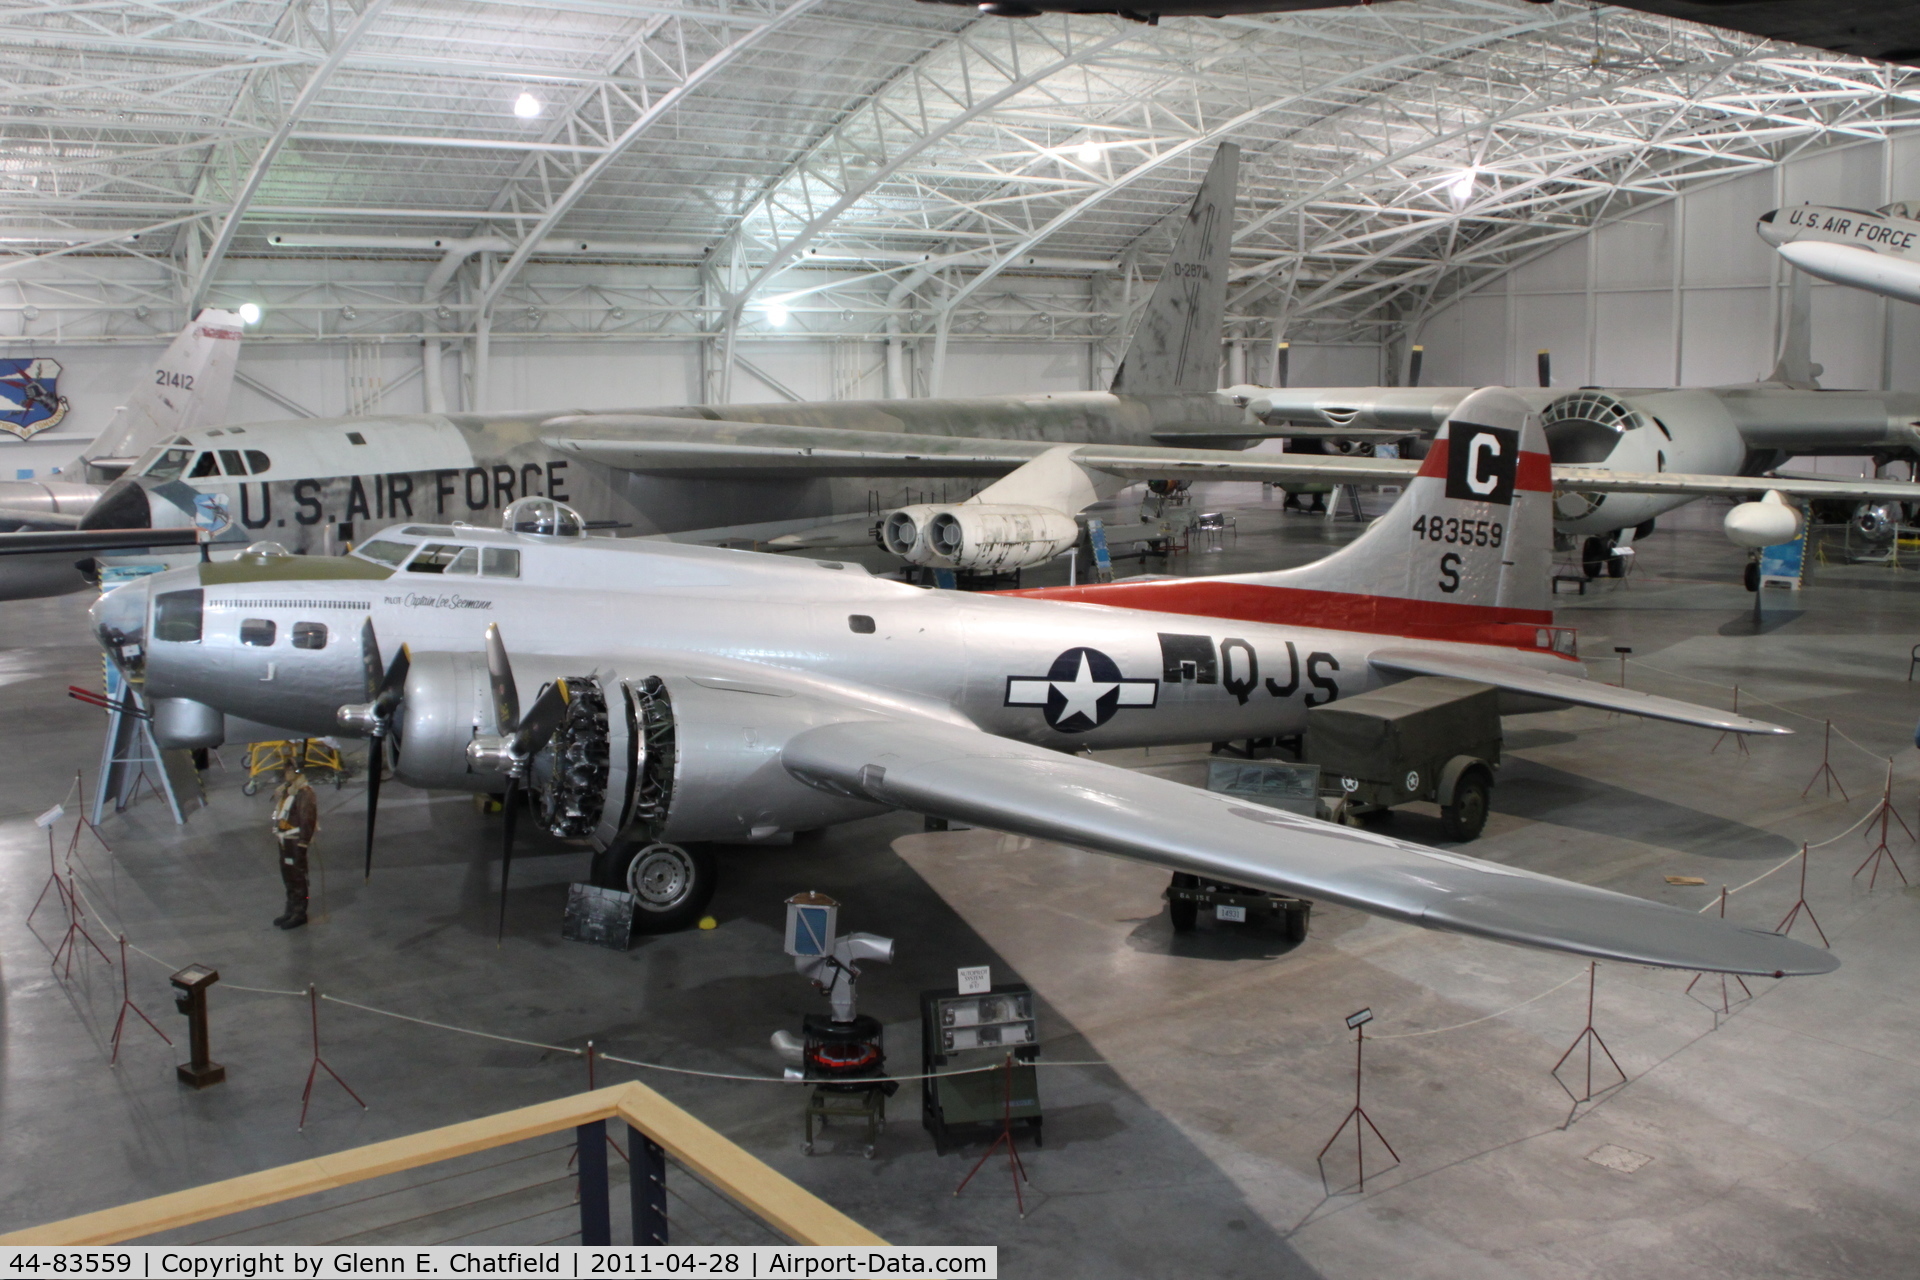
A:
[1357,1116]
[1825,771]
[1739,739]
[1726,1006]
[1800,904]
[76,929]
[1885,812]
[1014,1165]
[1590,1038]
[306,1095]
[126,1003]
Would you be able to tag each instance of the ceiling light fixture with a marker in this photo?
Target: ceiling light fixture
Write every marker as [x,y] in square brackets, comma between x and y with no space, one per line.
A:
[777,314]
[249,313]
[526,106]
[1461,186]
[1089,153]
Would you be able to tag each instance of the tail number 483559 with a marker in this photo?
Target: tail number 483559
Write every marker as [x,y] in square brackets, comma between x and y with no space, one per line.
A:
[1464,533]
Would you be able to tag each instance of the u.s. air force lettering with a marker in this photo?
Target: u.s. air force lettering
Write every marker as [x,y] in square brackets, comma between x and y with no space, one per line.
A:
[1481,462]
[1081,691]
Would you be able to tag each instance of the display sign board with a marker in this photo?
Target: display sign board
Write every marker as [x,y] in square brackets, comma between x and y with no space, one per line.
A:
[975,980]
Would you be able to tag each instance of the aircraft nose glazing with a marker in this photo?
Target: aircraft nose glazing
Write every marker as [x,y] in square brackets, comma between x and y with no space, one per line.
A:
[119,620]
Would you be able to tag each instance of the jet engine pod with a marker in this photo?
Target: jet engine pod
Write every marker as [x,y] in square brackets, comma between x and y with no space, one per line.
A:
[1766,523]
[1876,522]
[905,533]
[994,539]
[979,538]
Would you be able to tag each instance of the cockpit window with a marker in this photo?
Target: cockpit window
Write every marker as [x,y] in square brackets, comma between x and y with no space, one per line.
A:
[500,562]
[207,466]
[428,531]
[176,616]
[384,551]
[231,460]
[468,561]
[257,461]
[436,557]
[170,464]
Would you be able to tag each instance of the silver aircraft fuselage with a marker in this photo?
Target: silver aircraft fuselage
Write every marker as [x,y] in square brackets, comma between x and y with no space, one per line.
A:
[318,485]
[1034,670]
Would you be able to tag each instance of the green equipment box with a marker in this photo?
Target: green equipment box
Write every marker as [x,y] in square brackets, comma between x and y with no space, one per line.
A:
[962,1035]
[1429,738]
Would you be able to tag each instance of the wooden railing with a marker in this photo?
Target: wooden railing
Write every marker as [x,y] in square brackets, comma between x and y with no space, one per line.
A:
[658,1130]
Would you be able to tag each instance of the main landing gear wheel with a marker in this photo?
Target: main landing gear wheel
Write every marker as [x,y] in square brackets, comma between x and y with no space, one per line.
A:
[671,885]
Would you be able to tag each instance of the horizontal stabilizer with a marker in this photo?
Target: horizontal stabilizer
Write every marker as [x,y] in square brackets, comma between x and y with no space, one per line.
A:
[960,773]
[1564,688]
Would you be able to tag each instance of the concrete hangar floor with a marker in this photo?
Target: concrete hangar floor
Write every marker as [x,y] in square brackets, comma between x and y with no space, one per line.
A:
[1780,1138]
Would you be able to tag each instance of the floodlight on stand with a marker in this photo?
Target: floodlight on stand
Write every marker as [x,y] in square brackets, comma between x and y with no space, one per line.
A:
[249,313]
[526,106]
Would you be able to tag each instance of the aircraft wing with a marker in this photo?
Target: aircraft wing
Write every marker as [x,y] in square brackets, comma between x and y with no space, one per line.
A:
[704,448]
[700,447]
[1564,688]
[85,540]
[1598,480]
[961,773]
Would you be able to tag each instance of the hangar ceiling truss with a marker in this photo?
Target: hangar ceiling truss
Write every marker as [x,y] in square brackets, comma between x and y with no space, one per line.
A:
[846,169]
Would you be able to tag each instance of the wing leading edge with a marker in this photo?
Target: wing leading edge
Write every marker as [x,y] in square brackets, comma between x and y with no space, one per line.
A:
[1010,786]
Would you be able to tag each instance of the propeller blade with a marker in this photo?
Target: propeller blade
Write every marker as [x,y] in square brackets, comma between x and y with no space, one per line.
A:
[370,658]
[506,852]
[376,760]
[394,685]
[506,698]
[549,709]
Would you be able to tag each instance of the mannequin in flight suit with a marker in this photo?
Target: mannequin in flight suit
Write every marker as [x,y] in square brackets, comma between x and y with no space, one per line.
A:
[296,820]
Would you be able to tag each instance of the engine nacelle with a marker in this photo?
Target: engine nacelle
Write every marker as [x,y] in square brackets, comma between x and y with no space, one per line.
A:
[979,538]
[677,758]
[1766,523]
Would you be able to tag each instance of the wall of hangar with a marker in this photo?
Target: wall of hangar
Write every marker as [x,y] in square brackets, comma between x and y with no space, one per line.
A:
[1684,293]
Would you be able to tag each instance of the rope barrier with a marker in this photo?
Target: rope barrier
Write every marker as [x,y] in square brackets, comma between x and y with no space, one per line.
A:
[1794,857]
[1752,696]
[465,1031]
[1434,1031]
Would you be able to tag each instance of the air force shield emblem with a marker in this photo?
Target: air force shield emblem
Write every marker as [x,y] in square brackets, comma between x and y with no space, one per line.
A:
[1081,691]
[30,401]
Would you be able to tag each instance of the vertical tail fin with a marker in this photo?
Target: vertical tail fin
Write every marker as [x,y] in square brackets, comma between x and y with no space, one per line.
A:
[188,388]
[1468,547]
[1176,347]
[1795,367]
[1471,539]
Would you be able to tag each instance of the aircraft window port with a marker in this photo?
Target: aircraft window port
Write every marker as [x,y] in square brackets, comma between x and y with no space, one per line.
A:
[207,466]
[468,561]
[384,551]
[258,631]
[354,437]
[231,460]
[435,557]
[309,635]
[862,625]
[257,461]
[428,531]
[169,464]
[176,616]
[500,562]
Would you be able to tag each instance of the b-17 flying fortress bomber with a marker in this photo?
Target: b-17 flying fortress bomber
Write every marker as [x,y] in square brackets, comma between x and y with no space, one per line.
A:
[656,659]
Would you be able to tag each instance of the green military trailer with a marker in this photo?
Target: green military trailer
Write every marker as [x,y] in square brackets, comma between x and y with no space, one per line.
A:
[1429,738]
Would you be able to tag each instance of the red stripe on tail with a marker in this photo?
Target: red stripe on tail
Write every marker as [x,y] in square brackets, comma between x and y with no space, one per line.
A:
[1332,610]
